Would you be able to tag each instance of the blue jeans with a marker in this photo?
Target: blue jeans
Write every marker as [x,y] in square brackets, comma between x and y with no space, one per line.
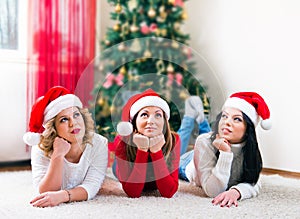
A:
[186,128]
[185,159]
[114,167]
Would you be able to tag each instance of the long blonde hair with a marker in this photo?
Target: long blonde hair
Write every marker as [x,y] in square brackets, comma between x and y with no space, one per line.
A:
[49,134]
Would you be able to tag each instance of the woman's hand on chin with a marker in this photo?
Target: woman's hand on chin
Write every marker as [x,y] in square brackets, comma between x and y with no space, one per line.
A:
[157,142]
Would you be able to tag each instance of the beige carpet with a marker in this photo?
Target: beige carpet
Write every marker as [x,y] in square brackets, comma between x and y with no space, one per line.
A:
[279,198]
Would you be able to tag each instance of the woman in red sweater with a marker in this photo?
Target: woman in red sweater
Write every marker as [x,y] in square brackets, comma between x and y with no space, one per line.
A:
[147,151]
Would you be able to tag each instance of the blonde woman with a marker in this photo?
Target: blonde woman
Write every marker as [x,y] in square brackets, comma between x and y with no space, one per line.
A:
[68,158]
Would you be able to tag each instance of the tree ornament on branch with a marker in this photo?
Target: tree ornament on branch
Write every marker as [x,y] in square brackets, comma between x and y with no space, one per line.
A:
[107,42]
[179,3]
[148,29]
[174,77]
[132,4]
[161,32]
[160,66]
[174,43]
[134,28]
[151,13]
[113,79]
[162,14]
[124,30]
[121,47]
[135,46]
[171,2]
[170,68]
[122,70]
[118,8]
[184,15]
[117,27]
[147,53]
[101,101]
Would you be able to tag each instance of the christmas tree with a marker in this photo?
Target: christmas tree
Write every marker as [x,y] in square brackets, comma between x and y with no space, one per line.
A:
[145,49]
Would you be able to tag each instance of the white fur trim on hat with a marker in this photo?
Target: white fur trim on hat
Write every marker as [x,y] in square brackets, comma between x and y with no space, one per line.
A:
[124,128]
[149,101]
[244,106]
[31,138]
[59,104]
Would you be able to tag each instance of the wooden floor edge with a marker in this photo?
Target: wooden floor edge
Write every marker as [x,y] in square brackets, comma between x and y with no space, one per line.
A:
[284,173]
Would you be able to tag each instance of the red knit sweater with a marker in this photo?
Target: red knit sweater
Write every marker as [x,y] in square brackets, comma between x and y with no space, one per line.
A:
[148,172]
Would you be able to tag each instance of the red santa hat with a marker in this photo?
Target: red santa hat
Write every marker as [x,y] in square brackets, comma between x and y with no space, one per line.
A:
[147,98]
[47,107]
[253,105]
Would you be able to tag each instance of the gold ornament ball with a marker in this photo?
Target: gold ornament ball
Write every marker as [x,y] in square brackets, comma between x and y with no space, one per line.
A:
[171,2]
[118,8]
[161,9]
[184,15]
[147,54]
[186,51]
[107,42]
[134,28]
[176,26]
[163,15]
[101,101]
[112,109]
[174,44]
[170,68]
[151,13]
[117,27]
[122,70]
[121,47]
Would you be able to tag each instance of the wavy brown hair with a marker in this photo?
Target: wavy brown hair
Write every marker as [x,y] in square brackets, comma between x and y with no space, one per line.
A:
[49,134]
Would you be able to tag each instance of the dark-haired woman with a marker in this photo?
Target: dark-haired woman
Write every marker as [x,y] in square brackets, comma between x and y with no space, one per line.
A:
[226,163]
[147,151]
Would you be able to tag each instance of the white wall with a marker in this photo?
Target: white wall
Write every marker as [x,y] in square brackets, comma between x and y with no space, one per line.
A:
[12,111]
[13,95]
[253,45]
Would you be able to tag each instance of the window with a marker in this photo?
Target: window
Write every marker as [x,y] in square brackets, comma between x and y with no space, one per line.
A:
[13,29]
[9,24]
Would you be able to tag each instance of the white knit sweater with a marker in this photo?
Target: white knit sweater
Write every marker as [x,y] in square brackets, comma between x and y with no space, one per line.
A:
[88,173]
[217,175]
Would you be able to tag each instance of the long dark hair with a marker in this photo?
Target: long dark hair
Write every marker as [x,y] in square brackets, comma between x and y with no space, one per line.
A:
[166,149]
[252,165]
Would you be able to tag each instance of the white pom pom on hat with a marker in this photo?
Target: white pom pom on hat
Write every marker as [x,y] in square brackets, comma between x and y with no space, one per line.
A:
[253,105]
[47,107]
[124,128]
[135,103]
[266,124]
[31,138]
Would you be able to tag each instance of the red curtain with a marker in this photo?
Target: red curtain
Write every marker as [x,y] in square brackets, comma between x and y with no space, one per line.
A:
[61,47]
